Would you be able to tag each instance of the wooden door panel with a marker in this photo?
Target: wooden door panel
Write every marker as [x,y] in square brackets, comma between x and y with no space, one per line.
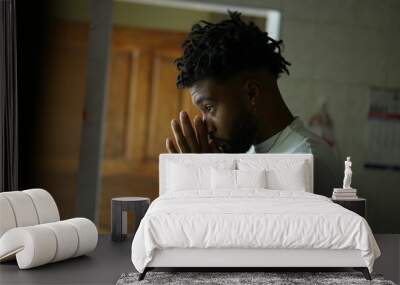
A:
[165,104]
[140,89]
[143,99]
[117,116]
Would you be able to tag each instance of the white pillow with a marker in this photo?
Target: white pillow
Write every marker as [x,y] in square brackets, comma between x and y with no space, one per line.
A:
[184,174]
[282,174]
[181,177]
[223,179]
[251,178]
[293,179]
[235,179]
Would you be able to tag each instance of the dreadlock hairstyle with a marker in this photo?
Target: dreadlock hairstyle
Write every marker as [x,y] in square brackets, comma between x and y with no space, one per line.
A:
[222,50]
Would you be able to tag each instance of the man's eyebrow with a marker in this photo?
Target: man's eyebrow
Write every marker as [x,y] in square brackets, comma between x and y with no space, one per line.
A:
[200,99]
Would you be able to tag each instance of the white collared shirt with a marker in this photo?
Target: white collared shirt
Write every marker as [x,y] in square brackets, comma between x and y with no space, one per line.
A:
[296,138]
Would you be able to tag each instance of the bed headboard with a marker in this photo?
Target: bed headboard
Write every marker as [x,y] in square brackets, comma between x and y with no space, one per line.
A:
[210,157]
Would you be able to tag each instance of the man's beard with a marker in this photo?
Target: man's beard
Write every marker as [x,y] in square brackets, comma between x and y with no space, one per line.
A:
[241,138]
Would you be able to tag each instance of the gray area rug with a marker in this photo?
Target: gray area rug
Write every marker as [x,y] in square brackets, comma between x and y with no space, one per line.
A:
[225,278]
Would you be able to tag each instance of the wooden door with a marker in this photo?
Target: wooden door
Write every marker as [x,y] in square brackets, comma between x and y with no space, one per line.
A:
[142,100]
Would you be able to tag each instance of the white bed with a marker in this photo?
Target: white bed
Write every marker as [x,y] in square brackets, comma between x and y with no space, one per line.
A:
[198,222]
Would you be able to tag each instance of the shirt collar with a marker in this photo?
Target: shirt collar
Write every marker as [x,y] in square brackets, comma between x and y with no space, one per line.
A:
[270,142]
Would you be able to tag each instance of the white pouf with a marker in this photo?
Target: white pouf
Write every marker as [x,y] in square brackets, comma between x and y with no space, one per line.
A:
[45,205]
[33,246]
[7,220]
[23,208]
[87,233]
[45,243]
[31,230]
[67,239]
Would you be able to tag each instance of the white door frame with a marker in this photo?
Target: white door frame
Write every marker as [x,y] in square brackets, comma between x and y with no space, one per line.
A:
[273,16]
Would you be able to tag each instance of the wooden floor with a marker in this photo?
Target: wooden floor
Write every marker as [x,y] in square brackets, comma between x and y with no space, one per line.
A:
[110,259]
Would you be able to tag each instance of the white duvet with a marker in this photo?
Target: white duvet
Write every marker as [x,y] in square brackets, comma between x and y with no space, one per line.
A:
[251,218]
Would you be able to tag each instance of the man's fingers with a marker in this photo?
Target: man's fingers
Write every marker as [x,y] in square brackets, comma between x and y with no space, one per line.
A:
[188,132]
[170,146]
[213,146]
[188,139]
[201,132]
[179,137]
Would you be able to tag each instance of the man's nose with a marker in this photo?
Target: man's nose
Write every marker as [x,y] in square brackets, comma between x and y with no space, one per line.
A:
[209,125]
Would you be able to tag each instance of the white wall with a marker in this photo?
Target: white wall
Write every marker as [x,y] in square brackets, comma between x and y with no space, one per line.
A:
[338,48]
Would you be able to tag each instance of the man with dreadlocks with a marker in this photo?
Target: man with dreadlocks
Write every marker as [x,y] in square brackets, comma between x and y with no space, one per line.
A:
[231,69]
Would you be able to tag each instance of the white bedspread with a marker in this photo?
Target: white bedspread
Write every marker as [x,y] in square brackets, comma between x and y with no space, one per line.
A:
[250,219]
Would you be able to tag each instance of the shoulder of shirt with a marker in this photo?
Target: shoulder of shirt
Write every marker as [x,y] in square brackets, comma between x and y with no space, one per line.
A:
[296,138]
[307,140]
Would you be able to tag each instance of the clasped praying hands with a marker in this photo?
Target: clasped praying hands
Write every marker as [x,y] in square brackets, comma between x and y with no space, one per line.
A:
[189,138]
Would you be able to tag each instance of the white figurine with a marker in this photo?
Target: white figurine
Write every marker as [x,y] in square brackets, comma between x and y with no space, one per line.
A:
[347,174]
[347,192]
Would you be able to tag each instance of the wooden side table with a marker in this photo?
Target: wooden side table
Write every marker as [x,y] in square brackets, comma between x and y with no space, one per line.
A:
[119,214]
[358,205]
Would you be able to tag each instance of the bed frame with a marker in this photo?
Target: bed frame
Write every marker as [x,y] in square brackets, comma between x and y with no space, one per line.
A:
[248,259]
[251,258]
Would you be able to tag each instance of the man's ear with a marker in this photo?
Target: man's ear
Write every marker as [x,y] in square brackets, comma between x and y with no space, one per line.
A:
[252,89]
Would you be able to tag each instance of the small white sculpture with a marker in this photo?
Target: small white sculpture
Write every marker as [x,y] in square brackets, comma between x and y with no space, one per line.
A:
[347,174]
[347,192]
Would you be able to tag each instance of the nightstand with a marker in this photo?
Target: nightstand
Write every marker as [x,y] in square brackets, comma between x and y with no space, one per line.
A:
[119,208]
[358,205]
